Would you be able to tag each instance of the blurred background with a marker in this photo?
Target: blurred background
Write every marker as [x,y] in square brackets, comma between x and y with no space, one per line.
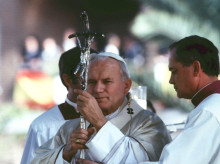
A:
[34,33]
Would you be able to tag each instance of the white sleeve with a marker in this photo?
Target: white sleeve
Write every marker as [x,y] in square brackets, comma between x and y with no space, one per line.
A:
[198,142]
[32,143]
[110,145]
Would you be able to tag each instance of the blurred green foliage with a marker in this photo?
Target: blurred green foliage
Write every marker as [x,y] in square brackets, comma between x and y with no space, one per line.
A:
[176,19]
[8,111]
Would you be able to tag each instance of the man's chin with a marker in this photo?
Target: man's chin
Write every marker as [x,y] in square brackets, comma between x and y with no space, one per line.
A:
[179,95]
[183,96]
[104,106]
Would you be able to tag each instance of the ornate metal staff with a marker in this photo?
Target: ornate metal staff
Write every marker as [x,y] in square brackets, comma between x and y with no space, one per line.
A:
[82,67]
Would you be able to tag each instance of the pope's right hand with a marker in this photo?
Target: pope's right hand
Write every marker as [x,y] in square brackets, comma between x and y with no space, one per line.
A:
[78,139]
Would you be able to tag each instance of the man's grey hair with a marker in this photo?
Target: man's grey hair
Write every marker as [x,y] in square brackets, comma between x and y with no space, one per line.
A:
[104,55]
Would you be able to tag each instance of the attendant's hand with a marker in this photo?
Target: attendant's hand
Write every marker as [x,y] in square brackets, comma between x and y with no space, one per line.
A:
[78,139]
[85,161]
[89,108]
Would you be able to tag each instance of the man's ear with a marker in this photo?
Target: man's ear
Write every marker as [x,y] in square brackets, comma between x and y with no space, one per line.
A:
[196,68]
[67,80]
[128,84]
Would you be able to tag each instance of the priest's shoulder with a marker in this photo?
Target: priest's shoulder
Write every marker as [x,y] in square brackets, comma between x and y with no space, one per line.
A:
[70,125]
[211,104]
[49,116]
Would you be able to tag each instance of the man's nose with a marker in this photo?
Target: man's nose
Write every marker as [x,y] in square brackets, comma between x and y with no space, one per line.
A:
[171,80]
[99,87]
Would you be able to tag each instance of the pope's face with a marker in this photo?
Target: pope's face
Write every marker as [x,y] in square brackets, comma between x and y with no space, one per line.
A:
[181,77]
[106,85]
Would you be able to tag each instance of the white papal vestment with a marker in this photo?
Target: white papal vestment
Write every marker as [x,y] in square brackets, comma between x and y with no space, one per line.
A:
[126,138]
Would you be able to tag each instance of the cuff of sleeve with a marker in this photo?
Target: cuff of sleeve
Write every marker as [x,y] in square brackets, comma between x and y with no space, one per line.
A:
[102,143]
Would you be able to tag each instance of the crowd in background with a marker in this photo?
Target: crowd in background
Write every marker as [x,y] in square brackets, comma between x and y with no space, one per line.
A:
[39,69]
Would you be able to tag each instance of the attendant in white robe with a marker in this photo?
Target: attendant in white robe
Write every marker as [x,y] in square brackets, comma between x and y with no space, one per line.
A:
[194,66]
[46,125]
[119,130]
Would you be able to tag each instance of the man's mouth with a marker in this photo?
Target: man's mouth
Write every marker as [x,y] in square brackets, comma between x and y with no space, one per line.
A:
[99,98]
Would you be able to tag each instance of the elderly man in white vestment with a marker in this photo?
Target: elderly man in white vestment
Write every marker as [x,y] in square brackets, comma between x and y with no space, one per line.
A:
[194,66]
[119,130]
[46,125]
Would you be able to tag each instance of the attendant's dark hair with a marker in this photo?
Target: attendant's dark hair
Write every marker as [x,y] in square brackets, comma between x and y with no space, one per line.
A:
[68,63]
[192,48]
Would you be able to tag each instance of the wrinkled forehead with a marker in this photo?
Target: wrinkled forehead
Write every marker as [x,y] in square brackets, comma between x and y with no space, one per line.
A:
[113,59]
[102,69]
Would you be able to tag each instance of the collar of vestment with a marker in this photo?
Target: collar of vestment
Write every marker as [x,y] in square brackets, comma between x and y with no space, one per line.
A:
[112,115]
[209,89]
[123,117]
[68,110]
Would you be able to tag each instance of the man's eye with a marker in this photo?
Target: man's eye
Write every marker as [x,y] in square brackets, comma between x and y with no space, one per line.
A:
[173,72]
[91,82]
[107,81]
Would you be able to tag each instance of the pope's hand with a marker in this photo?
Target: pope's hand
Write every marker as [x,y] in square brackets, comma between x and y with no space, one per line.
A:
[78,139]
[89,108]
